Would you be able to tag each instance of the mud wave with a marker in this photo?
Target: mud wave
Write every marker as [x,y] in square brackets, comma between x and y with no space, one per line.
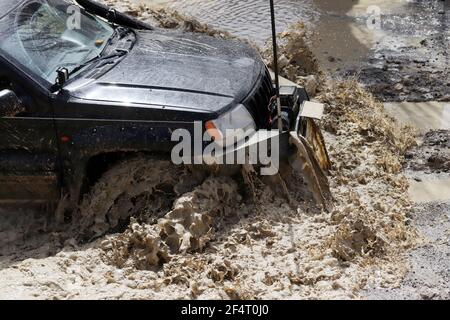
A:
[188,227]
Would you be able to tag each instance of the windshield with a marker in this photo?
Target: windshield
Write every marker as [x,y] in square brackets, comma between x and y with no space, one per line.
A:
[44,35]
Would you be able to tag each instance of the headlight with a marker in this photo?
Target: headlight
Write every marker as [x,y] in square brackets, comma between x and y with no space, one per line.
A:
[231,127]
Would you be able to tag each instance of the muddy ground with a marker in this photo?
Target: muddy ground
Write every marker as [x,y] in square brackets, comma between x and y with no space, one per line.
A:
[428,168]
[220,242]
[407,62]
[433,155]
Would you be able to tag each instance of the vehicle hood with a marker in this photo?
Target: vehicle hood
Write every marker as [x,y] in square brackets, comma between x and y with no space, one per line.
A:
[179,69]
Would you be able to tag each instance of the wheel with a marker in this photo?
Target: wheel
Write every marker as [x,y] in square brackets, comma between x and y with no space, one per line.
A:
[139,186]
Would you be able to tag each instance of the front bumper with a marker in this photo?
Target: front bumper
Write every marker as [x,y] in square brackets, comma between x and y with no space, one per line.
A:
[265,144]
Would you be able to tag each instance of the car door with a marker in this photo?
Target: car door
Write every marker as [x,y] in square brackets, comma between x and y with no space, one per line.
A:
[28,147]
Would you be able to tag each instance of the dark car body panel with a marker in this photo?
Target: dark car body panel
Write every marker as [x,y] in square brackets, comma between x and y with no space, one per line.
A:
[178,69]
[166,80]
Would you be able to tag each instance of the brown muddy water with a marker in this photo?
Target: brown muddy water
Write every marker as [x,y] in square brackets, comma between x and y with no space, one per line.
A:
[246,19]
[424,116]
[398,48]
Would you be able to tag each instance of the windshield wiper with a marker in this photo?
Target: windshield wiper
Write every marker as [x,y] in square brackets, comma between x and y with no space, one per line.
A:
[63,73]
[116,54]
[120,32]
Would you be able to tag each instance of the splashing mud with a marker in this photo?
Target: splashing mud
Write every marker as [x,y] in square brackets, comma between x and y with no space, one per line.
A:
[297,61]
[367,149]
[126,190]
[166,18]
[187,228]
[218,243]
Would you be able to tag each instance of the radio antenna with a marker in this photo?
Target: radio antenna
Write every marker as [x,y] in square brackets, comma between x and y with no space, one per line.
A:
[275,65]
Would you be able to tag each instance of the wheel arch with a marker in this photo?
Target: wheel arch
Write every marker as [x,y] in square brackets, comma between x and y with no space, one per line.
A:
[98,164]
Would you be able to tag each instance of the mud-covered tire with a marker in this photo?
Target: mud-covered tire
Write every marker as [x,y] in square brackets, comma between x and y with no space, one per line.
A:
[130,188]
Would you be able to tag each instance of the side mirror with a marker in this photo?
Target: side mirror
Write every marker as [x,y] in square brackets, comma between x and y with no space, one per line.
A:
[10,104]
[62,75]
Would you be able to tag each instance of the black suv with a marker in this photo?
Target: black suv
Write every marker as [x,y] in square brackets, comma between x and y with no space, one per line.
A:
[76,97]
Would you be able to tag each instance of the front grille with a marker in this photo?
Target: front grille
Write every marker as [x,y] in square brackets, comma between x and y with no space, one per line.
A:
[258,101]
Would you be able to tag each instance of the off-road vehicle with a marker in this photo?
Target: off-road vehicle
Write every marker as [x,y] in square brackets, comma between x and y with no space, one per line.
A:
[87,92]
